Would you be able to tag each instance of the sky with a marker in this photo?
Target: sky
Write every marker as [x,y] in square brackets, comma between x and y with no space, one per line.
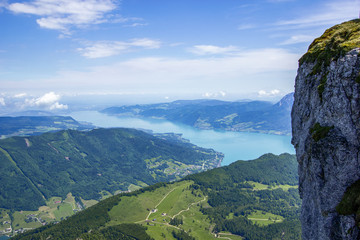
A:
[55,54]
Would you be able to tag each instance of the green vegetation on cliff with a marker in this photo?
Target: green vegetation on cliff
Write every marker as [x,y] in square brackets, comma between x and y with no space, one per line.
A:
[319,132]
[334,43]
[350,202]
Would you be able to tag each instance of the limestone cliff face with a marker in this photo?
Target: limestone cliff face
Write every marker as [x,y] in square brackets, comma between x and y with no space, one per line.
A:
[326,132]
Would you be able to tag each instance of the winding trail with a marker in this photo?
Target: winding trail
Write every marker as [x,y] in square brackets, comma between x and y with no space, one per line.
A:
[147,218]
[184,210]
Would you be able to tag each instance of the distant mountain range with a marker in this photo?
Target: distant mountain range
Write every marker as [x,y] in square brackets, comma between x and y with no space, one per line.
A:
[249,200]
[35,125]
[249,116]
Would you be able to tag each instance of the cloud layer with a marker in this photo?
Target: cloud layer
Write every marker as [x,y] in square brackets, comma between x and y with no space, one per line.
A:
[245,71]
[111,48]
[333,12]
[213,50]
[63,14]
[22,101]
[47,101]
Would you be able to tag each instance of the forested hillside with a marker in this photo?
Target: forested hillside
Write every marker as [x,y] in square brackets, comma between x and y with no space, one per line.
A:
[246,190]
[251,200]
[34,169]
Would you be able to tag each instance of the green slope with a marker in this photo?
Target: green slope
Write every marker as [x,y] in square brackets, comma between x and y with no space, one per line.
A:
[231,206]
[86,163]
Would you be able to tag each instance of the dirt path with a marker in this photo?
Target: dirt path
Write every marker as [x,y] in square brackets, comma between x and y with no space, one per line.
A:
[263,219]
[228,234]
[147,218]
[28,144]
[188,207]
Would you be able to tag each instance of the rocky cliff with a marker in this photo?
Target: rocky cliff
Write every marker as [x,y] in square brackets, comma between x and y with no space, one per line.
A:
[326,134]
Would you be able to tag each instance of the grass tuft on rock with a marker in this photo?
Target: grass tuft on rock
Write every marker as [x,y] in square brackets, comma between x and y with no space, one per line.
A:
[333,44]
[319,132]
[350,202]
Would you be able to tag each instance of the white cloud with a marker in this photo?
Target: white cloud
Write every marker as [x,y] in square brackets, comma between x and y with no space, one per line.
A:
[48,101]
[214,94]
[2,101]
[137,24]
[298,39]
[63,14]
[211,49]
[246,26]
[20,95]
[145,43]
[271,93]
[111,48]
[240,73]
[331,13]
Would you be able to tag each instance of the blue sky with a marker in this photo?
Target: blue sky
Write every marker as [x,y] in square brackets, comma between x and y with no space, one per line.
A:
[156,50]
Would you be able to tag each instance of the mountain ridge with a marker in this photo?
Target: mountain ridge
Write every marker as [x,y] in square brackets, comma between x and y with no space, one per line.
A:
[85,163]
[34,125]
[249,116]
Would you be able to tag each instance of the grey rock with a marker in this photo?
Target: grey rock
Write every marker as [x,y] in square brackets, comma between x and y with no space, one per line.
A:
[330,164]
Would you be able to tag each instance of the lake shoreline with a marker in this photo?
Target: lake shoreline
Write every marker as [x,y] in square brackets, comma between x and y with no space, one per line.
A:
[234,145]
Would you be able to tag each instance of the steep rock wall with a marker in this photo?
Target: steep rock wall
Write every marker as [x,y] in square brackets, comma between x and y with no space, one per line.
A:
[326,131]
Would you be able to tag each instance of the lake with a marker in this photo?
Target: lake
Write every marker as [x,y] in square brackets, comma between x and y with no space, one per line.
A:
[235,145]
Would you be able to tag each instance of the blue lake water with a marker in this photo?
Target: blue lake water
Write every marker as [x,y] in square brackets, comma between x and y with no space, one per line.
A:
[235,145]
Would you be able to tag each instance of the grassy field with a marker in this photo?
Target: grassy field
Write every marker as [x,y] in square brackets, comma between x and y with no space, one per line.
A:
[196,223]
[227,235]
[259,186]
[88,203]
[4,219]
[178,199]
[185,204]
[156,209]
[160,231]
[137,208]
[264,218]
[20,220]
[56,209]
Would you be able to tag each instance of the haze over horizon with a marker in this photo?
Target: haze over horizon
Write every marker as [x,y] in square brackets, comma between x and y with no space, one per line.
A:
[53,53]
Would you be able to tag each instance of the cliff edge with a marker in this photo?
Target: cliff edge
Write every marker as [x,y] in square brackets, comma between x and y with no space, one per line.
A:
[326,134]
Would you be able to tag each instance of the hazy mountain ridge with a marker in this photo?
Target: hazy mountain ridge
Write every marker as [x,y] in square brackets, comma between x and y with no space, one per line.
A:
[35,125]
[251,116]
[202,206]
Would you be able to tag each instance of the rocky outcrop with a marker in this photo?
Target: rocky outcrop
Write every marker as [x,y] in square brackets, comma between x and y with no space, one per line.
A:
[326,133]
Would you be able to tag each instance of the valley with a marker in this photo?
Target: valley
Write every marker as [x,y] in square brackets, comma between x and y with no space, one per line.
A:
[171,211]
[50,177]
[258,202]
